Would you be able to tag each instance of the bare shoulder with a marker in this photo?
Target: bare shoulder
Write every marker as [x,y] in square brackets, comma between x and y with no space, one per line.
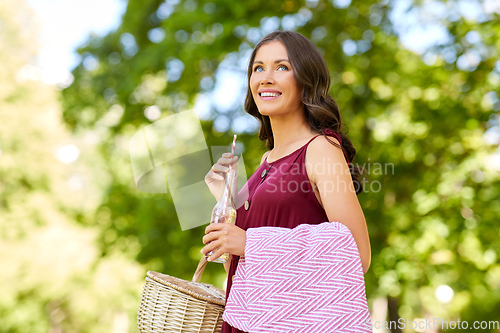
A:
[321,153]
[264,156]
[321,147]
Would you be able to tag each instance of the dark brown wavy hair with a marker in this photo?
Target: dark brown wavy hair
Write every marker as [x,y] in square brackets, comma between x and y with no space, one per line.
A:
[321,111]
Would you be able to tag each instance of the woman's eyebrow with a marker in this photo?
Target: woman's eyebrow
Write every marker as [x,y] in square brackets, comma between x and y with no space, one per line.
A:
[276,61]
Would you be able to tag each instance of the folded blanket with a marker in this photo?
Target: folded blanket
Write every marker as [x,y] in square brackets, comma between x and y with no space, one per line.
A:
[306,279]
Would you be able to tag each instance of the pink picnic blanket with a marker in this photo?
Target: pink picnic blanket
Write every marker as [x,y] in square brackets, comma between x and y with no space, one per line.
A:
[305,279]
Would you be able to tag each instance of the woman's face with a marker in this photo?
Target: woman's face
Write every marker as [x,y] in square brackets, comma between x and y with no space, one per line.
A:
[274,87]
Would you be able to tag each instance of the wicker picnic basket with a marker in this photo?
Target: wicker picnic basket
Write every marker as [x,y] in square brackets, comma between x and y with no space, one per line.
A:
[169,304]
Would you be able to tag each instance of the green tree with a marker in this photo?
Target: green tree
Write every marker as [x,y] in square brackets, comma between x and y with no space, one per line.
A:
[432,184]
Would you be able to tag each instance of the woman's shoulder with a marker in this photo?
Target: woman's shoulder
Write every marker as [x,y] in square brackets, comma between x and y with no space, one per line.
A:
[321,142]
[321,150]
[320,153]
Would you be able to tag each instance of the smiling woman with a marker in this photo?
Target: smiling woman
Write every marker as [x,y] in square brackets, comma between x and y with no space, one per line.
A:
[274,87]
[304,179]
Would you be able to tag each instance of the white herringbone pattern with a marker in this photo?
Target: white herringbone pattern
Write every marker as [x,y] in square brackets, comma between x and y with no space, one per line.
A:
[306,279]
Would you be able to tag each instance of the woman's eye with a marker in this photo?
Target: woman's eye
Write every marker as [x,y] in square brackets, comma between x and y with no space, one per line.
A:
[282,67]
[258,69]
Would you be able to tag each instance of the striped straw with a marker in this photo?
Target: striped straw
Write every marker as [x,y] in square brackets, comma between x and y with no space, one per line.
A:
[231,167]
[234,144]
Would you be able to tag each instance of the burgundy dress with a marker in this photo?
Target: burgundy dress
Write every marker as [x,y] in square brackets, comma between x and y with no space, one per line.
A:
[280,195]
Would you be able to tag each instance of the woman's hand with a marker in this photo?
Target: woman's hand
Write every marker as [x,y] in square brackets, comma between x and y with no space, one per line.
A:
[224,238]
[215,177]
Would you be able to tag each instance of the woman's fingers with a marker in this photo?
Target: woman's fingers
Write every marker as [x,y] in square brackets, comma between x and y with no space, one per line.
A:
[211,176]
[216,254]
[215,247]
[214,239]
[224,238]
[219,168]
[234,160]
[211,236]
[227,159]
[222,165]
[216,173]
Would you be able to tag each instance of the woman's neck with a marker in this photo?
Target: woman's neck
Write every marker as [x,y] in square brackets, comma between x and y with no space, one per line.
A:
[288,130]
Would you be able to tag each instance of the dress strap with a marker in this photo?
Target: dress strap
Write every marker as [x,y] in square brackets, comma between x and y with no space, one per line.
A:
[314,137]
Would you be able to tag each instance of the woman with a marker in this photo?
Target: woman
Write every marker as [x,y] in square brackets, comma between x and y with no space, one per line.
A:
[304,177]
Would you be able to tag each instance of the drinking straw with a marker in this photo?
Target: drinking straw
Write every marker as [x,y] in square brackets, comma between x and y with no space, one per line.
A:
[231,166]
[234,144]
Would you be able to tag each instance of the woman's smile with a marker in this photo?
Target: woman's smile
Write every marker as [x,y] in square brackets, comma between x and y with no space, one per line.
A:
[269,94]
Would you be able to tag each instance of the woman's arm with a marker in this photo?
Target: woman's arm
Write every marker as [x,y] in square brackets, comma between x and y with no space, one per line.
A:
[328,169]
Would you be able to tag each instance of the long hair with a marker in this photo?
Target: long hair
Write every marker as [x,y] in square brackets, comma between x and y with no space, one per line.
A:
[321,111]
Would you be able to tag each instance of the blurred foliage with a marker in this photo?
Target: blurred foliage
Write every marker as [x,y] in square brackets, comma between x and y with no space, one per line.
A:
[418,122]
[53,276]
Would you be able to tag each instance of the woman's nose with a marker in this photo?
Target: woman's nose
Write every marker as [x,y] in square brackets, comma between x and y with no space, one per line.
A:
[267,80]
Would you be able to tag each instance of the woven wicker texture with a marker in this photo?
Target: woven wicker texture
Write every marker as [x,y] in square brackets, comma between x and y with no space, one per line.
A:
[201,291]
[170,304]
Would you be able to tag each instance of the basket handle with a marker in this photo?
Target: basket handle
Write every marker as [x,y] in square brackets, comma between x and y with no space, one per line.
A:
[199,270]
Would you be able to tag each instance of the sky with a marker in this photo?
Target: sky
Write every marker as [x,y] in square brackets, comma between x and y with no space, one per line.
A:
[66,25]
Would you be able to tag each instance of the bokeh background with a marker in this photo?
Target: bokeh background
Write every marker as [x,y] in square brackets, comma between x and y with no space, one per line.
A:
[417,83]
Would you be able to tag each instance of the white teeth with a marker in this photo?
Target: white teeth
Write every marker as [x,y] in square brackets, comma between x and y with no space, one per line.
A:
[269,94]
